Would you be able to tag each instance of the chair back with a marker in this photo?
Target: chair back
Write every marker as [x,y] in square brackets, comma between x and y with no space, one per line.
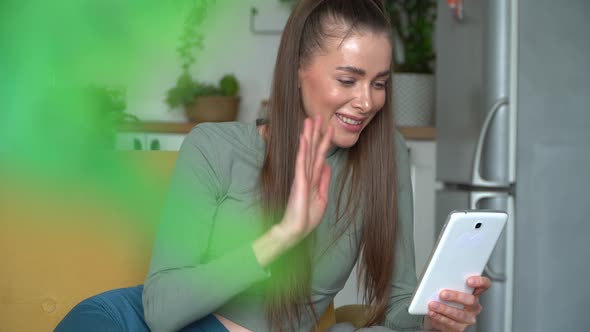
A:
[61,244]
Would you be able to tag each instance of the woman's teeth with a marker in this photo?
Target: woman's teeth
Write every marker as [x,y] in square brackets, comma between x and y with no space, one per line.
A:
[348,120]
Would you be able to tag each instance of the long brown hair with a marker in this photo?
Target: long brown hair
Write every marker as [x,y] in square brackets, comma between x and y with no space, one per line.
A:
[368,177]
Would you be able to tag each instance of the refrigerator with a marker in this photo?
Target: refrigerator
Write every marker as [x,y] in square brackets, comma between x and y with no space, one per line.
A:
[513,134]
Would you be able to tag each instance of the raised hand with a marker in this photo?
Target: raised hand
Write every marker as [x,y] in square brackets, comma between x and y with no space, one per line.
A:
[308,198]
[309,192]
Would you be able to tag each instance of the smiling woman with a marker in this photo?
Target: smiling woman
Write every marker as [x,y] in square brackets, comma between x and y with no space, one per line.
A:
[263,225]
[346,85]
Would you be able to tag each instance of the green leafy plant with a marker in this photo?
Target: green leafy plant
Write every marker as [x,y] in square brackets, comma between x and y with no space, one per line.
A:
[187,89]
[107,105]
[183,92]
[229,85]
[413,26]
[191,41]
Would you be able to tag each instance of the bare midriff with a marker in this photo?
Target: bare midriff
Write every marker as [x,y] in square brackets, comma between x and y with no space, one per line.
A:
[231,326]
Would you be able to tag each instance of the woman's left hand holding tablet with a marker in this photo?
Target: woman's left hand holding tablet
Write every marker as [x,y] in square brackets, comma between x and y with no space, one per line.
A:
[445,318]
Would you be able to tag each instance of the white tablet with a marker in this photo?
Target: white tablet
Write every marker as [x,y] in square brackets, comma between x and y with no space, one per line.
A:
[461,251]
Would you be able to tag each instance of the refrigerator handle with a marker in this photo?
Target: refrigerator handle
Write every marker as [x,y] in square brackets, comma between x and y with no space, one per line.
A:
[478,180]
[475,198]
[498,277]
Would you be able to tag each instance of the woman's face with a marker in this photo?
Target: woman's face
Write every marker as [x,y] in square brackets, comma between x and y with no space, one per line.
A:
[346,84]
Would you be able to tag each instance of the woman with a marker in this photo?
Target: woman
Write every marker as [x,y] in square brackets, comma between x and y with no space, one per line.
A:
[263,224]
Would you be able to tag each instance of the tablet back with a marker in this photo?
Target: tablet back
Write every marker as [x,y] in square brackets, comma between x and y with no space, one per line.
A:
[462,250]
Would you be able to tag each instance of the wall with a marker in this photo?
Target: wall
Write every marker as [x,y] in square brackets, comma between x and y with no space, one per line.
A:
[229,47]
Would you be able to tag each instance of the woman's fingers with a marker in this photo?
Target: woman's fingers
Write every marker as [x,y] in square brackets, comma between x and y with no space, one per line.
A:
[447,318]
[302,159]
[454,319]
[300,162]
[480,284]
[457,315]
[320,160]
[319,202]
[308,133]
[309,192]
[457,297]
[315,139]
[443,323]
[324,183]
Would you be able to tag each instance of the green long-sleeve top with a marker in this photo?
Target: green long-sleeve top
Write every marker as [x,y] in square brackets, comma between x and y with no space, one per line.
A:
[202,259]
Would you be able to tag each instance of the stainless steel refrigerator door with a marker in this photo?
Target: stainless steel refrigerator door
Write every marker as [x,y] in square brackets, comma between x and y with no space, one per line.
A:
[472,99]
[552,264]
[497,300]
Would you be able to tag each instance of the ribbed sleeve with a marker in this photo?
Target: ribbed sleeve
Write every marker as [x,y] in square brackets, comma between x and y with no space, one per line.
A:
[181,286]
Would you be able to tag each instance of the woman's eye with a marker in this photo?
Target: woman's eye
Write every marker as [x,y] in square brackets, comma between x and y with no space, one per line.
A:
[346,82]
[380,85]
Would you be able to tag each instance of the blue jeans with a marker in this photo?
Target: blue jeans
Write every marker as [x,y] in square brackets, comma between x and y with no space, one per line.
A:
[121,310]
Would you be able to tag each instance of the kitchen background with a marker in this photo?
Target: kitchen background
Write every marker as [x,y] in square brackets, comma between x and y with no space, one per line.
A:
[250,55]
[512,103]
[511,130]
[246,45]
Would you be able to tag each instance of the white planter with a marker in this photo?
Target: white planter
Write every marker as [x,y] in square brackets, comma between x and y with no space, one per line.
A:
[413,100]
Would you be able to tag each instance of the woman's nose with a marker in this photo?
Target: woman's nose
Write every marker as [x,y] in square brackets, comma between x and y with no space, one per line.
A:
[362,101]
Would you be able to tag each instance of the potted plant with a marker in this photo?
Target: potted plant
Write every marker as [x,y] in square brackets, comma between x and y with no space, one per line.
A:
[205,102]
[202,102]
[413,80]
[106,105]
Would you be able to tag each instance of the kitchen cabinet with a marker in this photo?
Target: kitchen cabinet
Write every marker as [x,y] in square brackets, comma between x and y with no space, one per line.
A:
[146,141]
[152,136]
[423,169]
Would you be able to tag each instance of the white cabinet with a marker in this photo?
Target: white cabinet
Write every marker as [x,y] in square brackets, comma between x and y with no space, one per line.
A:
[144,141]
[423,163]
[130,141]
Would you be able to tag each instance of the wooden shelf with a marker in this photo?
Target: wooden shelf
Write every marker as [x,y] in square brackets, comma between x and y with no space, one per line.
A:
[410,133]
[158,127]
[418,133]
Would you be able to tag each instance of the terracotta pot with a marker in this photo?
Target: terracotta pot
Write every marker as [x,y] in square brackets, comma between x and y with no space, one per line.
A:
[213,109]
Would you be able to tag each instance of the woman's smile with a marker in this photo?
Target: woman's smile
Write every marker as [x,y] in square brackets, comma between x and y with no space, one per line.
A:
[350,123]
